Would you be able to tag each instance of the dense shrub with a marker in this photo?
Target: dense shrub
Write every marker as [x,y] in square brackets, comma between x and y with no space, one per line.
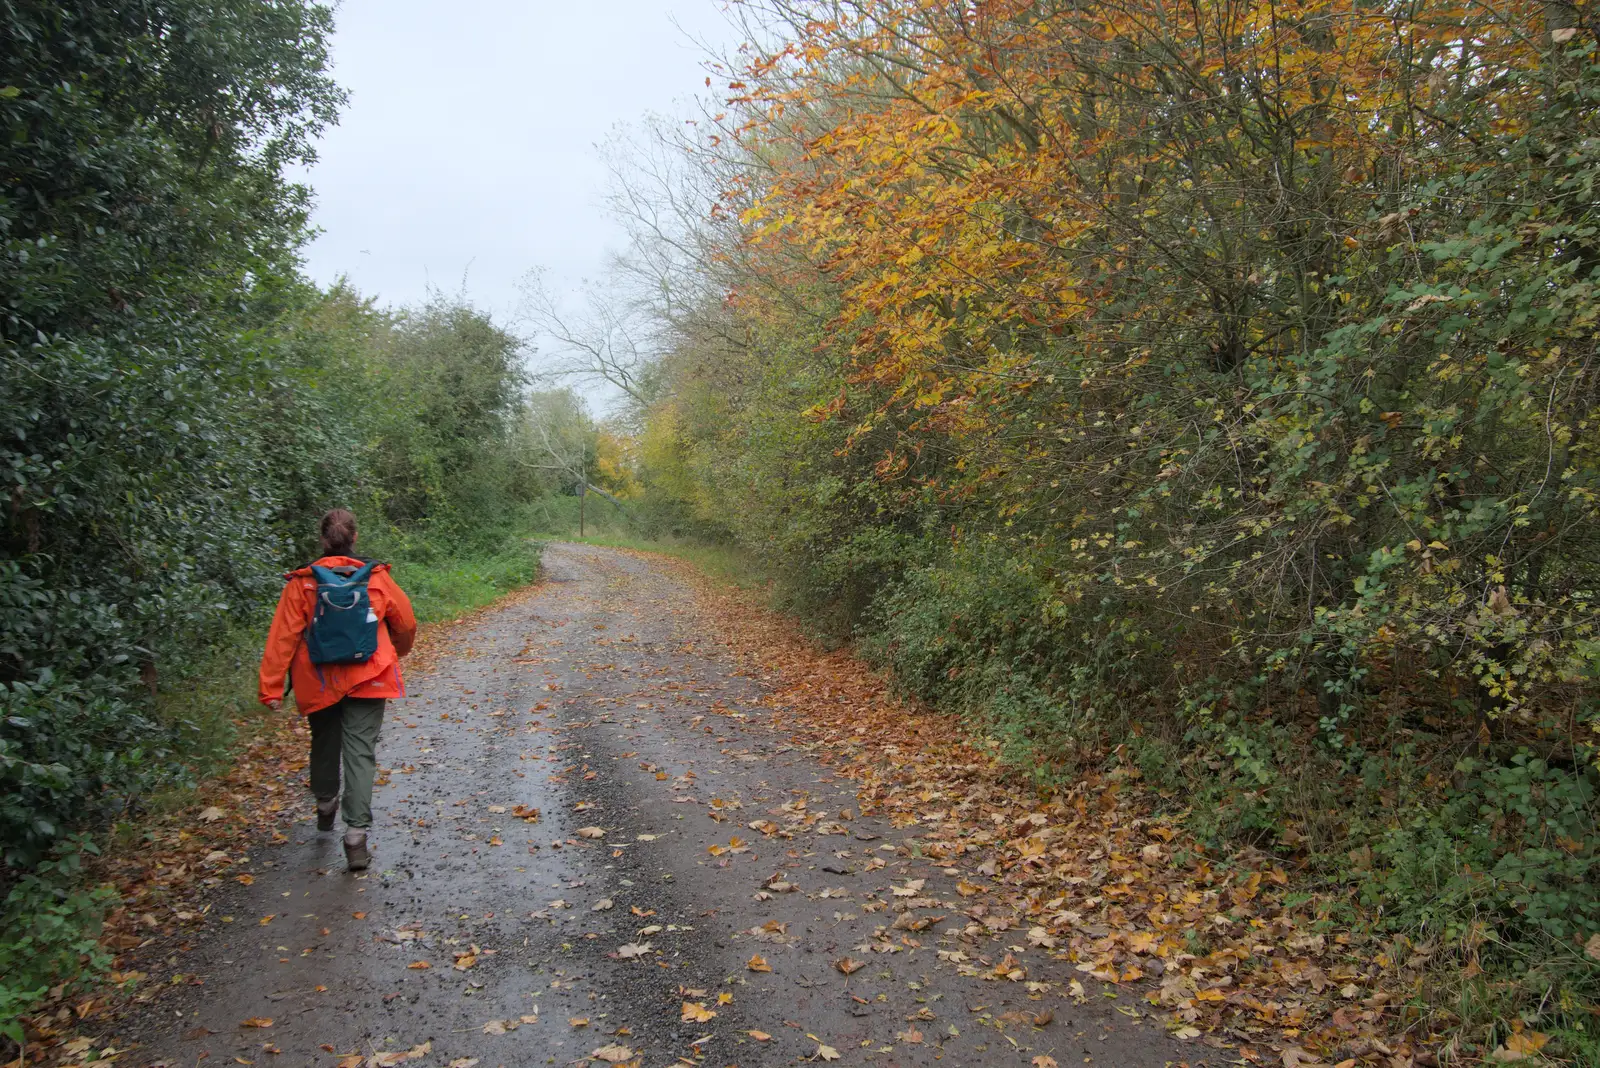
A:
[149,242]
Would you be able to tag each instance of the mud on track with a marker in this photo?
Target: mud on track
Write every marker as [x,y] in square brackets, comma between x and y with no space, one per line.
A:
[602,701]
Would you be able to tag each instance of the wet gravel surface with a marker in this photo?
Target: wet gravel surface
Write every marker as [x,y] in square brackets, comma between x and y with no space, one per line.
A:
[634,904]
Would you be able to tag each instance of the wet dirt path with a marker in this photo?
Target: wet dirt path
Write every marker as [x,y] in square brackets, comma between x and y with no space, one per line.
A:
[623,923]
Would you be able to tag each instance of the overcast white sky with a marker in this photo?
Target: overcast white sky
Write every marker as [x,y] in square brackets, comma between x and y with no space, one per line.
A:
[468,147]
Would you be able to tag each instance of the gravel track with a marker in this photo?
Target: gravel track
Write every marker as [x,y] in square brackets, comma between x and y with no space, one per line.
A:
[600,699]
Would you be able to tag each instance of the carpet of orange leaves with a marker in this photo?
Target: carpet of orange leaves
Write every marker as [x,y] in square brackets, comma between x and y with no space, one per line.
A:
[1090,870]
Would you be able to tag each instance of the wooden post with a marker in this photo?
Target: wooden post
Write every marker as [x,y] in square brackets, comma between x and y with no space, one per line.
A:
[583,495]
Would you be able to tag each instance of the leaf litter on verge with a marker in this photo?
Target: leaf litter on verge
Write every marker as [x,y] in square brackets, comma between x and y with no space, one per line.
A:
[1050,857]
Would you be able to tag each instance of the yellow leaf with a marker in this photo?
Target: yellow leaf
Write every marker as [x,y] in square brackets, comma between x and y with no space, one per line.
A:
[695,1012]
[758,963]
[1527,1042]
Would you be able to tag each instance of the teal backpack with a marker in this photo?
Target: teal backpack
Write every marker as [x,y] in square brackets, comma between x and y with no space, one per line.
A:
[344,628]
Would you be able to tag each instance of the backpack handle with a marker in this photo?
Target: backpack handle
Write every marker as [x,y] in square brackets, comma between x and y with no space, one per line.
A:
[327,599]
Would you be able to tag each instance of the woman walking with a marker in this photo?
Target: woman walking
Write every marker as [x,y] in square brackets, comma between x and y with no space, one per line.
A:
[341,627]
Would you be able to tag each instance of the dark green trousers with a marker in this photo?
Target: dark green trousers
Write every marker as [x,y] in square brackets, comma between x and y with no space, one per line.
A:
[347,734]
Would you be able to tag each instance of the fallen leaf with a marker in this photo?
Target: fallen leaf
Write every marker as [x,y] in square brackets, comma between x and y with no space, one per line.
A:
[212,814]
[1526,1043]
[1044,1060]
[419,965]
[601,906]
[257,1021]
[612,1054]
[758,963]
[394,1057]
[849,965]
[695,1012]
[633,949]
[759,1036]
[591,832]
[463,1062]
[827,1053]
[578,1021]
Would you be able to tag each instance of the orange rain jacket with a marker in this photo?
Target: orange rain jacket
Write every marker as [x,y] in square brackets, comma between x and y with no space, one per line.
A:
[318,686]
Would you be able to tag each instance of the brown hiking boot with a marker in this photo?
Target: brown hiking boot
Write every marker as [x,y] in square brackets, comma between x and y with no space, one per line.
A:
[327,811]
[356,855]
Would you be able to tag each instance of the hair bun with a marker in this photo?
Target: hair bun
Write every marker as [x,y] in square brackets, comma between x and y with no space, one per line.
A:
[338,532]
